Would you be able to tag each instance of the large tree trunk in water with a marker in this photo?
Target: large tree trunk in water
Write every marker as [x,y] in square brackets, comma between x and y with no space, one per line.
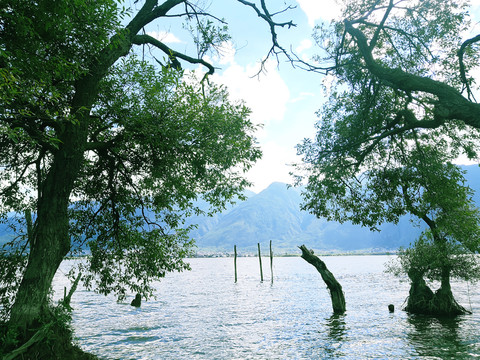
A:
[422,300]
[420,295]
[334,287]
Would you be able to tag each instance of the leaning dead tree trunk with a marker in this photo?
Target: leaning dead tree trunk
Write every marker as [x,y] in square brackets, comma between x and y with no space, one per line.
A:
[334,287]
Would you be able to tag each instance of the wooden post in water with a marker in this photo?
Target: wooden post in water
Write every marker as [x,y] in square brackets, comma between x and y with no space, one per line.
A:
[235,260]
[271,262]
[260,259]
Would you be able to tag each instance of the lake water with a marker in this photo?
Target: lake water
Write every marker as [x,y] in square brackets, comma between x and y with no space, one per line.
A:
[203,314]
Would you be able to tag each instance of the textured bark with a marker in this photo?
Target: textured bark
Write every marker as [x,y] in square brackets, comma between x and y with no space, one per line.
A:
[422,300]
[334,287]
[50,241]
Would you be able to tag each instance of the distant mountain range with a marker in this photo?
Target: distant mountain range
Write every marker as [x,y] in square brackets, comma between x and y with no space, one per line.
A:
[274,214]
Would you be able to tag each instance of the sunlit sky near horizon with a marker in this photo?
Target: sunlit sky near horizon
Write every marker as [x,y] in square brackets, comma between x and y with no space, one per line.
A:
[283,99]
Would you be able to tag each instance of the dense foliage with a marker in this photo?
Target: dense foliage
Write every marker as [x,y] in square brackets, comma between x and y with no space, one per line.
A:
[174,139]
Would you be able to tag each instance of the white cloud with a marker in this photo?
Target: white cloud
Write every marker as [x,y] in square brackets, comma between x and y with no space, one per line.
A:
[302,96]
[272,167]
[464,160]
[316,9]
[164,36]
[305,44]
[266,95]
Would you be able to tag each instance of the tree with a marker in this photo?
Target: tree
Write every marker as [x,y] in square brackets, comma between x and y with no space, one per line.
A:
[103,149]
[394,121]
[409,179]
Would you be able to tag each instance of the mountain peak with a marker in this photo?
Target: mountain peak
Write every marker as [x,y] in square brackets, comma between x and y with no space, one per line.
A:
[274,214]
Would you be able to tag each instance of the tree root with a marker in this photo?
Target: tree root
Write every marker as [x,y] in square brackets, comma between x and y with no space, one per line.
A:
[422,300]
[37,337]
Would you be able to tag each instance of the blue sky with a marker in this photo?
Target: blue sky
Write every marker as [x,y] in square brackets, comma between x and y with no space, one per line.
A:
[283,99]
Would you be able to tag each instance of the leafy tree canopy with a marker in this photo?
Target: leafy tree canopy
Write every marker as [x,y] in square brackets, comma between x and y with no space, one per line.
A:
[393,71]
[101,149]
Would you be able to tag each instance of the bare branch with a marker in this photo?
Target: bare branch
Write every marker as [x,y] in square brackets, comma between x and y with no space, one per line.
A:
[307,66]
[276,48]
[172,54]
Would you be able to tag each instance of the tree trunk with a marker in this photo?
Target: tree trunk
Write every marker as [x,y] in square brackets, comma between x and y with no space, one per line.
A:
[422,300]
[420,295]
[50,241]
[334,287]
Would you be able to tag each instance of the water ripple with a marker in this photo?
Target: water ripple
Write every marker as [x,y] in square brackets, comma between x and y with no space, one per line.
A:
[203,314]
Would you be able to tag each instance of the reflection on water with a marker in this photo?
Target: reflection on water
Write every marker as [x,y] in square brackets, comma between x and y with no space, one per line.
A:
[444,338]
[203,314]
[337,331]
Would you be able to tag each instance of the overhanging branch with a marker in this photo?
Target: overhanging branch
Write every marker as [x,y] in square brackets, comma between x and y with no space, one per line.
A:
[451,104]
[276,48]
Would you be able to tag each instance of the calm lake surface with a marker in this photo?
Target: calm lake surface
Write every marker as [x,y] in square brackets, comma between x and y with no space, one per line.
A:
[203,314]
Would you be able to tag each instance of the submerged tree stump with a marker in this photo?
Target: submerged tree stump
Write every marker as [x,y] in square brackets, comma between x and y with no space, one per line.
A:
[137,302]
[260,259]
[422,300]
[271,262]
[334,287]
[67,298]
[235,261]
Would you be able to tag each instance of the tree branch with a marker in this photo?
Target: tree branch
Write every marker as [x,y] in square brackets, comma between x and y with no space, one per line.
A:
[265,15]
[411,123]
[19,178]
[150,12]
[172,54]
[451,104]
[373,42]
[460,54]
